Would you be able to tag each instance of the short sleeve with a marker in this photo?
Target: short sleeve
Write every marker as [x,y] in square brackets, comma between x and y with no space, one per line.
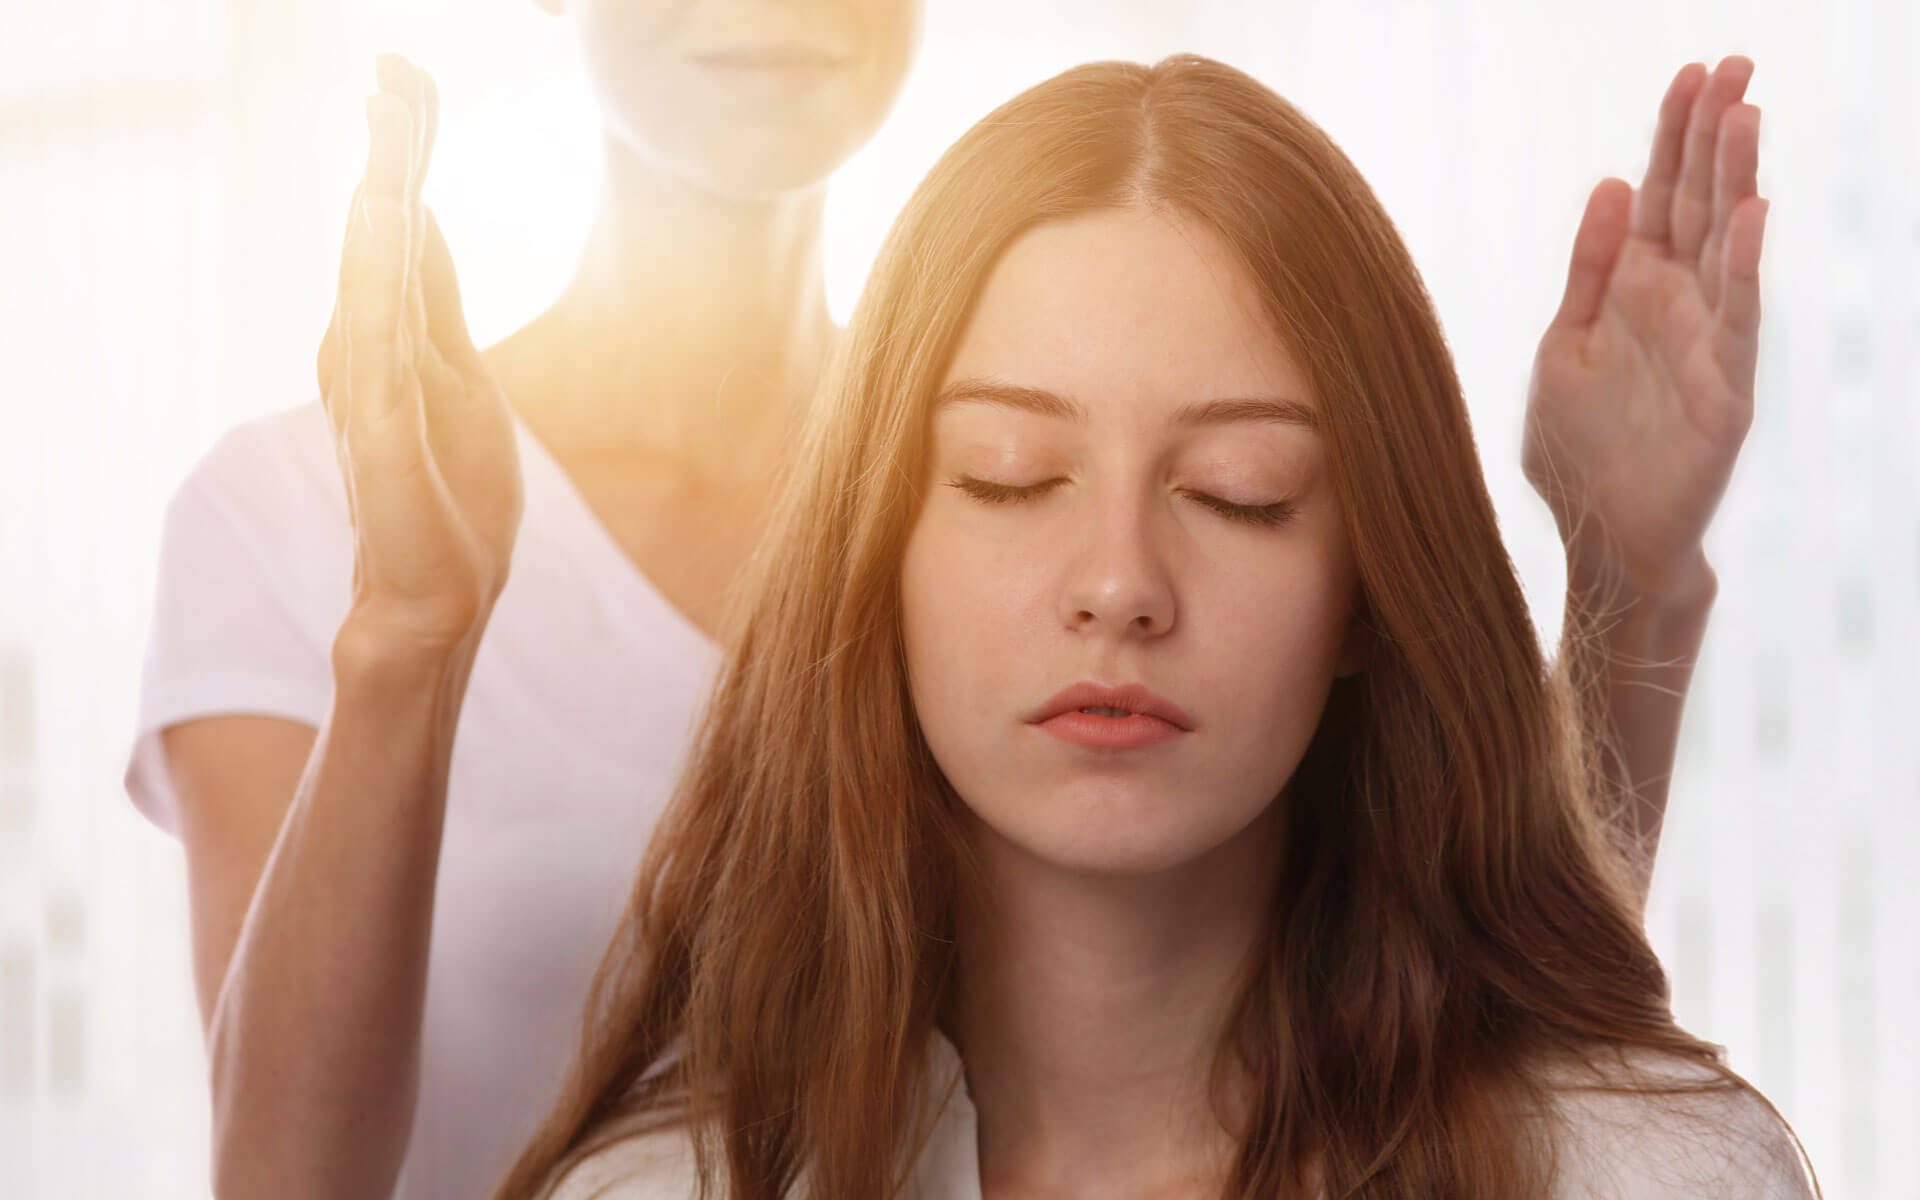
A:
[224,637]
[1719,1144]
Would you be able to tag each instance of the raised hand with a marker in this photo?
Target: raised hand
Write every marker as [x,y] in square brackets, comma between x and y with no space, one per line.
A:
[1642,389]
[423,434]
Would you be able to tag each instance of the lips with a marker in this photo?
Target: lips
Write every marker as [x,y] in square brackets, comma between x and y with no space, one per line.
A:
[1134,698]
[773,58]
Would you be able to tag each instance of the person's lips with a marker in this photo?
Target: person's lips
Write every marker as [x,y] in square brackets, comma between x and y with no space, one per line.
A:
[773,58]
[772,75]
[1131,698]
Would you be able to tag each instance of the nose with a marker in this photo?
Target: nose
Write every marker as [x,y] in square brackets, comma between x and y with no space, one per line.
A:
[1118,581]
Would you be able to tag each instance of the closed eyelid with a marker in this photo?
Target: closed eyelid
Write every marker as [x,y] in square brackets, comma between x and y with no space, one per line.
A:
[1256,465]
[990,492]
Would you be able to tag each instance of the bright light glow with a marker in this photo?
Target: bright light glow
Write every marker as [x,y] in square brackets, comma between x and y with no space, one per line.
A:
[178,175]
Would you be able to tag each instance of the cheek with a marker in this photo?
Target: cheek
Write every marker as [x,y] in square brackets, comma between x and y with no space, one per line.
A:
[939,578]
[889,33]
[620,40]
[1270,629]
[622,48]
[966,608]
[625,22]
[936,648]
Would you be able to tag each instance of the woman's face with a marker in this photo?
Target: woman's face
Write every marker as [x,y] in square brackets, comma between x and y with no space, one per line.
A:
[1118,496]
[747,97]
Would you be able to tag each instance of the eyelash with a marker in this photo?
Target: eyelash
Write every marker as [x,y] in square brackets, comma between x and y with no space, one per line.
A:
[1264,515]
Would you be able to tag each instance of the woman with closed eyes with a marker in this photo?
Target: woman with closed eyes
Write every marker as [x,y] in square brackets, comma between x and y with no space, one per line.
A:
[1135,772]
[394,930]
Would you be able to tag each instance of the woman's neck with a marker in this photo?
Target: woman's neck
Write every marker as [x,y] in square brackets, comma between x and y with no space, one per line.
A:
[694,328]
[1090,1012]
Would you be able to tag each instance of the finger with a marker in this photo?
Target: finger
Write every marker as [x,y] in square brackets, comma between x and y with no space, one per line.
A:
[471,424]
[418,101]
[472,433]
[374,268]
[342,284]
[412,89]
[430,120]
[1736,173]
[444,389]
[323,363]
[1596,247]
[334,355]
[1736,339]
[333,342]
[401,78]
[1693,201]
[446,315]
[449,351]
[327,359]
[1736,176]
[391,479]
[450,426]
[1652,209]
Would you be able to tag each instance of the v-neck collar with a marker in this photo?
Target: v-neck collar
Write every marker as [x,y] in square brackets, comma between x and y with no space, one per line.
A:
[626,588]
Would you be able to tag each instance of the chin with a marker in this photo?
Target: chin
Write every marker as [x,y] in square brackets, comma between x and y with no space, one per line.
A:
[1108,836]
[734,146]
[765,170]
[1117,863]
[751,164]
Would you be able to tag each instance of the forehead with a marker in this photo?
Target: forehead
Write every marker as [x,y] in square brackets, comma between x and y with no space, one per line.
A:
[1126,305]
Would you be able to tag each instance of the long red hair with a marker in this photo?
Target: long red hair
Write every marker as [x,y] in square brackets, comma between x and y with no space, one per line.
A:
[1450,913]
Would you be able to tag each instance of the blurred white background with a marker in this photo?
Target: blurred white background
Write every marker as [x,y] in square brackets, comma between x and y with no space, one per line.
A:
[174,176]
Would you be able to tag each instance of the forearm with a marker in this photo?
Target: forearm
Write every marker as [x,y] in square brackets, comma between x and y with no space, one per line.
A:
[314,1041]
[1637,671]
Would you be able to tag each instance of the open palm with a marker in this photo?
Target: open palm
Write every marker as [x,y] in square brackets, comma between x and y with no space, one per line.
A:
[423,433]
[1642,389]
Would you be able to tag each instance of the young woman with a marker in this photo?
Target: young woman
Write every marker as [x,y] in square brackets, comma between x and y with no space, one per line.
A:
[394,931]
[1136,772]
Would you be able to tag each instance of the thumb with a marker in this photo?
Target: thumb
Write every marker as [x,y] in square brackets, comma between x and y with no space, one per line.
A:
[446,317]
[1603,230]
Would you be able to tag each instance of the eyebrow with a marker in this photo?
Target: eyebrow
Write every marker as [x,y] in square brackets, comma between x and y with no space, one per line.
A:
[1273,410]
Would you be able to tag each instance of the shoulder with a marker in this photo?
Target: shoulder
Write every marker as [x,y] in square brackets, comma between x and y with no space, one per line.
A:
[271,466]
[1646,1125]
[657,1165]
[258,535]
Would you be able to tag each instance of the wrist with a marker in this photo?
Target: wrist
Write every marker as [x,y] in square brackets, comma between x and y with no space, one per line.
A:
[1600,578]
[1668,621]
[385,654]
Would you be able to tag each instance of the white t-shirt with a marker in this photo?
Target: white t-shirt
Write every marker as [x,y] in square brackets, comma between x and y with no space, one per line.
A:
[1717,1145]
[577,715]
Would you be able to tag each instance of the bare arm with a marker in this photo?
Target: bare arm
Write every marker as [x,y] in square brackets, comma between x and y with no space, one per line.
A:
[235,777]
[1639,669]
[313,891]
[313,1035]
[1642,394]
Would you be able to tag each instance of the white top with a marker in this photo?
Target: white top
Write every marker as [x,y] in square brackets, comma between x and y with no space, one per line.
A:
[578,712]
[1689,1146]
